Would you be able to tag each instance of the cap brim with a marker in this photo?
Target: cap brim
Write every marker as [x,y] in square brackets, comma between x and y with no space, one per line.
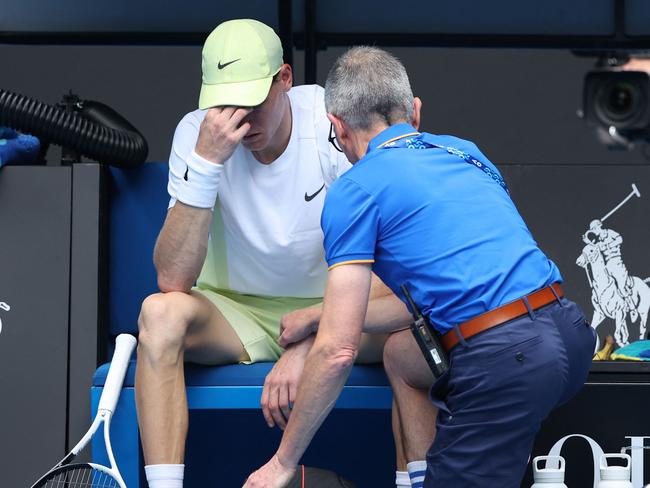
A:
[241,94]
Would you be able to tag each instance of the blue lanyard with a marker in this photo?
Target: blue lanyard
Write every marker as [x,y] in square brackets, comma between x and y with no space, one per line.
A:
[414,140]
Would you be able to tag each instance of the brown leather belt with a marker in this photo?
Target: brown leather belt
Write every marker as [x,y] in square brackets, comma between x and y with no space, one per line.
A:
[502,314]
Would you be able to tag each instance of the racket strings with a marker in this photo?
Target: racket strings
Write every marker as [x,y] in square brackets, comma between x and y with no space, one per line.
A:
[85,477]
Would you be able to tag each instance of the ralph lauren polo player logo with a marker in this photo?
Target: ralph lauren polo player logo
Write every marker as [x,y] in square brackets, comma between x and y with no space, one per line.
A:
[6,308]
[309,198]
[222,66]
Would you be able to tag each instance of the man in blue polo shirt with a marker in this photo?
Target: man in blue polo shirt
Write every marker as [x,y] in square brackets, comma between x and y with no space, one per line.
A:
[433,213]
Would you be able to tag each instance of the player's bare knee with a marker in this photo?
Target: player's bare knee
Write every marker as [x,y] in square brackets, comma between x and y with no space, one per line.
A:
[162,322]
[391,354]
[404,363]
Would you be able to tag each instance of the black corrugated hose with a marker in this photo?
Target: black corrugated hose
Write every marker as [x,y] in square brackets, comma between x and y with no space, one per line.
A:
[95,130]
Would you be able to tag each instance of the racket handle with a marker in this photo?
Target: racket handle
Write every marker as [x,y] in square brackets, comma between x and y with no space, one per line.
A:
[124,345]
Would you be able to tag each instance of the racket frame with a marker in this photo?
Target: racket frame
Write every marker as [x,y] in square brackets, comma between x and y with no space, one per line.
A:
[124,346]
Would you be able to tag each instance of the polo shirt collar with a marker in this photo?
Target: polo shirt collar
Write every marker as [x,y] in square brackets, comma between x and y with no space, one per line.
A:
[388,134]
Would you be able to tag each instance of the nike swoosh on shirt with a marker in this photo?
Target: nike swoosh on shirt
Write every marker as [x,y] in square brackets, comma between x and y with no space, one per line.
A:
[222,66]
[309,198]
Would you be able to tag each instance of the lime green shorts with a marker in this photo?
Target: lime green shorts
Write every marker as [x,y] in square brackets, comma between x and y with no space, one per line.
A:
[256,319]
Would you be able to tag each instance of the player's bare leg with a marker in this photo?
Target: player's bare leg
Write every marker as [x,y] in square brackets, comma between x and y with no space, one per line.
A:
[397,435]
[371,348]
[410,378]
[175,327]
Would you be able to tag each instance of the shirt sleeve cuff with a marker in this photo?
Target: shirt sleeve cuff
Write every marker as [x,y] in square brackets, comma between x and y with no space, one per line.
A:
[350,259]
[200,184]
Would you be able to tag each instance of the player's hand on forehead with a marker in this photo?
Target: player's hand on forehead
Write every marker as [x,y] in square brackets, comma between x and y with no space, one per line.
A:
[229,114]
[221,131]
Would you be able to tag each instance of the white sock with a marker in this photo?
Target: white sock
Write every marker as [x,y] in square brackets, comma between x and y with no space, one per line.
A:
[417,470]
[402,479]
[165,475]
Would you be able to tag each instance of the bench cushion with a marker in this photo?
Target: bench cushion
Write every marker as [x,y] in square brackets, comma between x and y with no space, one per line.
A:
[245,375]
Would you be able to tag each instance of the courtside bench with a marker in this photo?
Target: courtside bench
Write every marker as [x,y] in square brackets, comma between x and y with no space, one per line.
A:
[228,436]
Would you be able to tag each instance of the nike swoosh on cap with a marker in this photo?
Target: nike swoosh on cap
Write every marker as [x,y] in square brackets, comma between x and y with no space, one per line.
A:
[309,198]
[222,66]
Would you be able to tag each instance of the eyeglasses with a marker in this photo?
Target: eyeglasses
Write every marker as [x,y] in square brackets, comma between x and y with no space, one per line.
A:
[332,139]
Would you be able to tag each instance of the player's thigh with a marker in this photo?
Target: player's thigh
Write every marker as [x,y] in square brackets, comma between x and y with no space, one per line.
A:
[371,348]
[210,338]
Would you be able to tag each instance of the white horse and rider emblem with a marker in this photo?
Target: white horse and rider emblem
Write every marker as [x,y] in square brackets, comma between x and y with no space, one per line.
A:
[615,294]
[6,308]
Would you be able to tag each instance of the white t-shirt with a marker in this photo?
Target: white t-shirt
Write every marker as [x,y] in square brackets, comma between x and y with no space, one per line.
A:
[266,237]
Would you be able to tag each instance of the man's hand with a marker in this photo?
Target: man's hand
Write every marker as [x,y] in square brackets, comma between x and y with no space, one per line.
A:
[281,384]
[637,64]
[326,369]
[272,475]
[220,133]
[297,325]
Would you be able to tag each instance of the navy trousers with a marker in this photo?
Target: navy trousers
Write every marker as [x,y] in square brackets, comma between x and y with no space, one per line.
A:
[501,384]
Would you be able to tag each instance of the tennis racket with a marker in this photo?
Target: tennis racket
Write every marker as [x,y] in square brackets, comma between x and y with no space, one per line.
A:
[90,475]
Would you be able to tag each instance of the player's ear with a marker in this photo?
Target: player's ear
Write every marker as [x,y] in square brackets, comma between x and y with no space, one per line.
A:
[417,106]
[285,76]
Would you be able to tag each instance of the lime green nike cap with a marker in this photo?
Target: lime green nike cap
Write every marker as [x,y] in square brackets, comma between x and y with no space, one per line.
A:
[240,58]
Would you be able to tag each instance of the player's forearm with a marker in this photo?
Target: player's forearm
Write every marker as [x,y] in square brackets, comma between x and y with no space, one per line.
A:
[385,314]
[302,347]
[181,247]
[325,373]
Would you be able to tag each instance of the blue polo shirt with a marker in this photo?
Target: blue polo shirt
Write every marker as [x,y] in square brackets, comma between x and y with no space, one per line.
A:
[429,219]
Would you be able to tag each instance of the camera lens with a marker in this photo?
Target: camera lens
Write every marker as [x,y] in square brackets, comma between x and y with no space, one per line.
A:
[620,99]
[620,103]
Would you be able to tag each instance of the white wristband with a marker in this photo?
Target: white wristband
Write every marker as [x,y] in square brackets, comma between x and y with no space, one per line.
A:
[200,185]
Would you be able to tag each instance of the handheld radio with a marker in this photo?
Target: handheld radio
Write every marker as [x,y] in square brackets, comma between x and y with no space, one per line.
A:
[428,339]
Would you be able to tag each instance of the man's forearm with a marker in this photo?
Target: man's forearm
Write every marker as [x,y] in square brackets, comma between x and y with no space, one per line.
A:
[327,373]
[181,247]
[330,359]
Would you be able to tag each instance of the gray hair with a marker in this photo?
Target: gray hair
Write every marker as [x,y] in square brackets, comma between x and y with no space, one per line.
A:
[368,85]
